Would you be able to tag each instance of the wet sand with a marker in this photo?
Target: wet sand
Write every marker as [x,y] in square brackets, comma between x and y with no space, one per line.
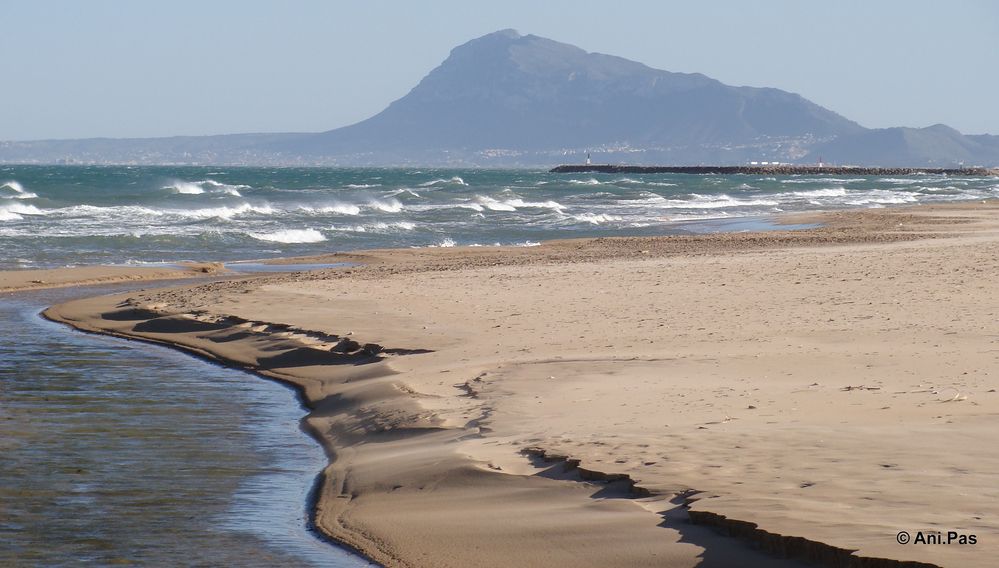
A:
[40,279]
[581,402]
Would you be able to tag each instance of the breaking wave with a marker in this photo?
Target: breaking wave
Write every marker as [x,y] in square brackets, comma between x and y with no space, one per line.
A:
[827,192]
[446,242]
[136,213]
[376,227]
[405,190]
[517,203]
[16,211]
[205,186]
[483,202]
[290,236]
[18,189]
[450,181]
[221,212]
[336,208]
[388,206]
[492,204]
[596,218]
[719,201]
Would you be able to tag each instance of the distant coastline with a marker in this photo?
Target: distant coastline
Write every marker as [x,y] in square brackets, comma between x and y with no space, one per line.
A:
[780,169]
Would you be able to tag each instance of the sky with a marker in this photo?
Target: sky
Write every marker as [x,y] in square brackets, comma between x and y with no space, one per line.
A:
[120,68]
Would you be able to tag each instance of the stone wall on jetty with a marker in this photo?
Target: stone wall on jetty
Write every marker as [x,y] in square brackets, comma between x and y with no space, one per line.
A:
[782,169]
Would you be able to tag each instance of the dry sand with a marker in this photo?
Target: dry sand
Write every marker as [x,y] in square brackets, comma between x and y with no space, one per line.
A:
[812,392]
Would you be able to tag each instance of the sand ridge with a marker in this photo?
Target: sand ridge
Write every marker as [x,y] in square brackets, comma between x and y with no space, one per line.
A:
[823,384]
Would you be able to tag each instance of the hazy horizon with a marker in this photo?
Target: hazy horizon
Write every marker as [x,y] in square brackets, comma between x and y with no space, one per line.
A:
[121,70]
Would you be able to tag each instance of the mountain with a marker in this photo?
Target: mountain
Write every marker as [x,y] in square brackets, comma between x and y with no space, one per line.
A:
[938,145]
[509,94]
[507,99]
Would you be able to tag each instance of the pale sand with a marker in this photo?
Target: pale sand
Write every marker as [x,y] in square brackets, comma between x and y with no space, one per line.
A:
[835,386]
[21,280]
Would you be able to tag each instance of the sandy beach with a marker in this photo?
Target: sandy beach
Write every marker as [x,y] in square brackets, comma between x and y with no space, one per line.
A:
[735,399]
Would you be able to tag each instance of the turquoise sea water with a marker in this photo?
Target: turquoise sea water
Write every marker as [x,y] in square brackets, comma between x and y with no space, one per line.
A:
[122,453]
[60,215]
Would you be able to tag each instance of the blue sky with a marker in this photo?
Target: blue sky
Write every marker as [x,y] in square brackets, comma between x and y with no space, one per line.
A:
[74,69]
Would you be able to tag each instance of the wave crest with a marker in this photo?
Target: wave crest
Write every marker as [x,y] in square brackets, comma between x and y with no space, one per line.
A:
[17,211]
[450,181]
[290,236]
[390,205]
[596,218]
[203,186]
[18,189]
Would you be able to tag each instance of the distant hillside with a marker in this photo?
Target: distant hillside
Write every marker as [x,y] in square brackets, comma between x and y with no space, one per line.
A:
[936,145]
[505,99]
[237,149]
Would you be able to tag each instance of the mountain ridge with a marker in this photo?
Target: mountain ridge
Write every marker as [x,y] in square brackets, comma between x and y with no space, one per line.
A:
[509,91]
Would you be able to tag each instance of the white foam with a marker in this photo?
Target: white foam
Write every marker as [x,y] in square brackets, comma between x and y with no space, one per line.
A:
[702,217]
[221,212]
[882,200]
[517,202]
[720,201]
[25,195]
[377,227]
[186,188]
[825,192]
[18,189]
[14,185]
[446,242]
[596,218]
[199,187]
[388,206]
[401,191]
[337,208]
[122,211]
[16,211]
[493,204]
[363,185]
[819,180]
[450,181]
[591,181]
[881,197]
[290,236]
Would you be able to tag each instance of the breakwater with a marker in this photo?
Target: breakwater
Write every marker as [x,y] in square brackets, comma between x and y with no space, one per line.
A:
[782,169]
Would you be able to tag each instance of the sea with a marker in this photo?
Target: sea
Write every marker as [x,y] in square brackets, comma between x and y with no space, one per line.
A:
[52,216]
[116,452]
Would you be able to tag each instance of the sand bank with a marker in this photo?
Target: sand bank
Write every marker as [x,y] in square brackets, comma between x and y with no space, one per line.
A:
[20,280]
[814,392]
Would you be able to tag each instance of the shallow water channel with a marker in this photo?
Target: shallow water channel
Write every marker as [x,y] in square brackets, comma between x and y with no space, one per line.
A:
[120,452]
